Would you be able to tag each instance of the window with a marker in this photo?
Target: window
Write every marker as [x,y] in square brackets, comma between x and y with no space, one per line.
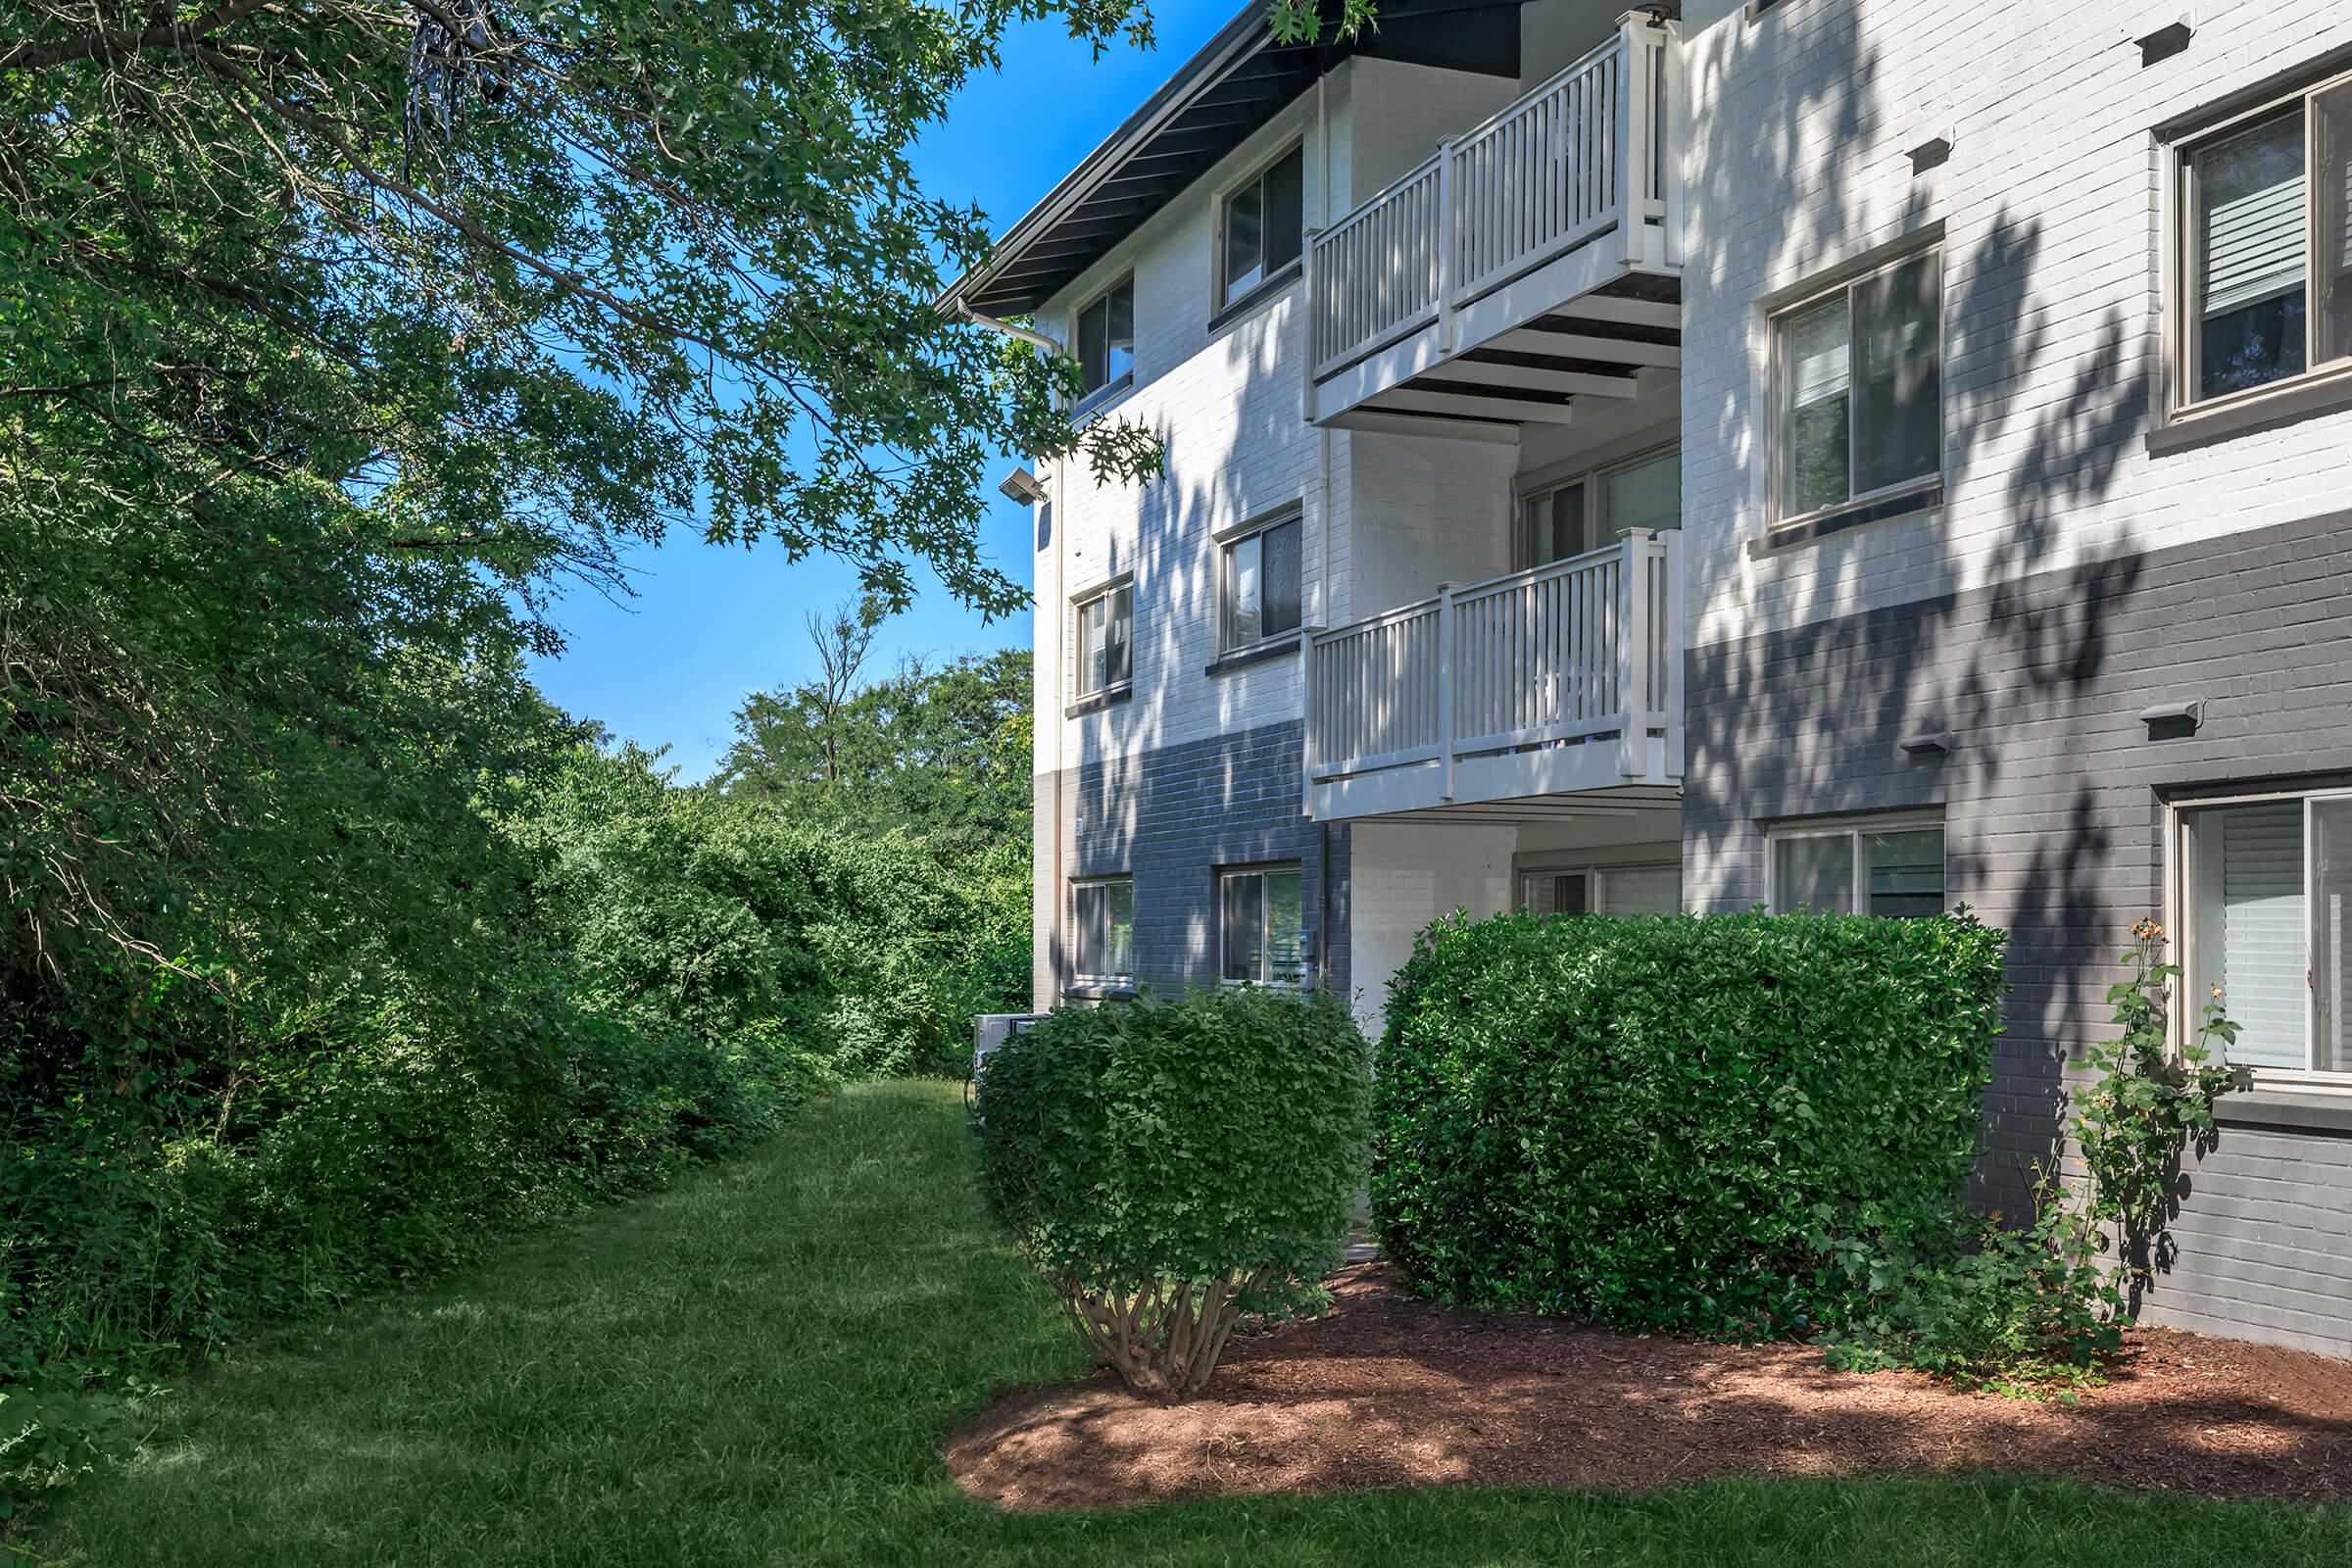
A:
[1606,890]
[1890,867]
[2267,256]
[1860,373]
[1105,937]
[1106,639]
[1598,508]
[2264,891]
[1259,227]
[1262,914]
[1106,337]
[1260,590]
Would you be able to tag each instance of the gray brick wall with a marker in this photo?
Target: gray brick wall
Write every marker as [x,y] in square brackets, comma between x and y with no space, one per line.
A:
[2053,797]
[1171,819]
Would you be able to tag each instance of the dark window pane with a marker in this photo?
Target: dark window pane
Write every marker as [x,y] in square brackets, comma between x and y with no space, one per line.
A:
[1244,239]
[1245,920]
[1816,353]
[1899,422]
[1119,357]
[1282,574]
[1283,211]
[1089,933]
[2334,260]
[1094,323]
[1906,872]
[1285,927]
[1117,638]
[2251,257]
[1118,928]
[1244,589]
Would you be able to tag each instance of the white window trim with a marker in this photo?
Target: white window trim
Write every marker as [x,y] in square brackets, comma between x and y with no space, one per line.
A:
[2176,403]
[1543,481]
[1083,977]
[2184,1009]
[1854,827]
[1288,512]
[1089,401]
[1080,603]
[1222,290]
[1306,963]
[1775,386]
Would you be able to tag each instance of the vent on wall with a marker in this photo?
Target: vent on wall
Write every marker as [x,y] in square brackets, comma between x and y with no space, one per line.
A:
[2164,43]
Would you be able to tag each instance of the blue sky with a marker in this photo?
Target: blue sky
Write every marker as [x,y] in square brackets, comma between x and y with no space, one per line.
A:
[709,624]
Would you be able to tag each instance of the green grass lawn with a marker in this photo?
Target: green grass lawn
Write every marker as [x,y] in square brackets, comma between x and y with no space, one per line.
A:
[759,1365]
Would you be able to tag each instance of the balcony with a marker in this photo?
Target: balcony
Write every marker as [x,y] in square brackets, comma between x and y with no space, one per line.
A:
[1531,260]
[1559,681]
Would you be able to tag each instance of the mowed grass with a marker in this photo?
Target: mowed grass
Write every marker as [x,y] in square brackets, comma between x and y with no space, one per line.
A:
[758,1366]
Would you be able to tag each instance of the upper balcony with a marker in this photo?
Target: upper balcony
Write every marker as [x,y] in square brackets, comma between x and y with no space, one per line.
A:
[1525,693]
[1531,260]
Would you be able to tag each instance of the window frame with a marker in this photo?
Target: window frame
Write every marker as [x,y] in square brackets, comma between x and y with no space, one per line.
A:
[1227,874]
[1779,521]
[1854,827]
[1079,605]
[1228,591]
[1540,483]
[2179,404]
[1094,396]
[1224,292]
[1595,872]
[2184,1009]
[1079,974]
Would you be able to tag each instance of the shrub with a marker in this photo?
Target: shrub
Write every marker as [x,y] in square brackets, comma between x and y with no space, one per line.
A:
[1646,1121]
[1168,1165]
[2030,1307]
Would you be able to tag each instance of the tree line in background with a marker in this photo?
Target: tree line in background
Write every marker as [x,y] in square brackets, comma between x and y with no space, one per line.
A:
[496,965]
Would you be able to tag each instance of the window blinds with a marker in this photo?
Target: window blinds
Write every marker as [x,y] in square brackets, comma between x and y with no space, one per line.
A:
[1820,366]
[2253,858]
[2252,192]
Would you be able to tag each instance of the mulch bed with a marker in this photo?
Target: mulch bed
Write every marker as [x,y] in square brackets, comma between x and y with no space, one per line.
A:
[1392,1392]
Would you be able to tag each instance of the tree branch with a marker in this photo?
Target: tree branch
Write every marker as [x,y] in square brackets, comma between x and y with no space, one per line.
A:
[176,36]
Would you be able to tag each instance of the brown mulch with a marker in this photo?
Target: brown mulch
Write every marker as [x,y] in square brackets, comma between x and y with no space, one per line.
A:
[1392,1392]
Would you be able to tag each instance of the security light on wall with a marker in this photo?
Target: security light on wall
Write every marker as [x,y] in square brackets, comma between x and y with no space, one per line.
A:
[1021,485]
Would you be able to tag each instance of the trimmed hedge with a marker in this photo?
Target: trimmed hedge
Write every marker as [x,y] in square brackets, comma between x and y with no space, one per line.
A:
[1170,1164]
[1655,1122]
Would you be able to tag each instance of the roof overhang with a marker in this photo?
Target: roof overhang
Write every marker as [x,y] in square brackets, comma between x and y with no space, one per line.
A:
[1238,82]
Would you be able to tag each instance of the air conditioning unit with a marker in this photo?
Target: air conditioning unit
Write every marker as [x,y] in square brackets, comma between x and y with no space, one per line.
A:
[992,1029]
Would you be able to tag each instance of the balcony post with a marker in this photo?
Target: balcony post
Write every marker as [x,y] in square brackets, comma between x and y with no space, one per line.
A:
[1670,646]
[1448,236]
[1632,133]
[1308,717]
[1633,651]
[1445,746]
[1312,285]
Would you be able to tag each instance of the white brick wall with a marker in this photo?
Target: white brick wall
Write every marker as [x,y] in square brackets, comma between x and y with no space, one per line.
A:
[1230,405]
[1802,121]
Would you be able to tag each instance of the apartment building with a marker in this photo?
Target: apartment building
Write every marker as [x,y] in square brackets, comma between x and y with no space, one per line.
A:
[1832,454]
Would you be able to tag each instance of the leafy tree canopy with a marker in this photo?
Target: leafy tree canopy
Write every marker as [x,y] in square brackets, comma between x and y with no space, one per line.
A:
[333,336]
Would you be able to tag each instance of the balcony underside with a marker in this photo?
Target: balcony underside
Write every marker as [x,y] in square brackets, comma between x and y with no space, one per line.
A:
[1539,350]
[1571,780]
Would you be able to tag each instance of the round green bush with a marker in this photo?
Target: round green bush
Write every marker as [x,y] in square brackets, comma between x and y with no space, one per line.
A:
[1652,1122]
[1170,1164]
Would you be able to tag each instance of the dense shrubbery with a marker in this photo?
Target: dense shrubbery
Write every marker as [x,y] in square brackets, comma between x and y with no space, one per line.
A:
[1171,1164]
[1656,1122]
[633,975]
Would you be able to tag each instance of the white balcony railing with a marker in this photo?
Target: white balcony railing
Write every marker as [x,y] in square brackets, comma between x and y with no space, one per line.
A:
[1571,654]
[1550,173]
